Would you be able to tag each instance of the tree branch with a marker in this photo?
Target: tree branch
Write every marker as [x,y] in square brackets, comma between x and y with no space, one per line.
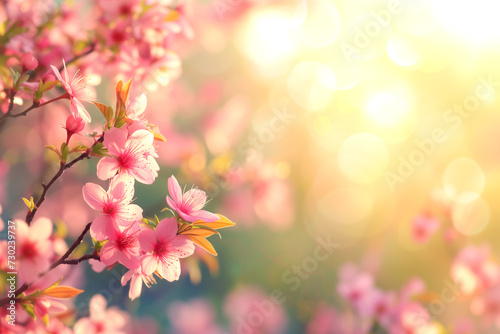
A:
[62,167]
[62,260]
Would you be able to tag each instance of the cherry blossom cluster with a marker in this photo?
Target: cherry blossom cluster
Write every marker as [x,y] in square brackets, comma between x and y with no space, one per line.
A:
[117,39]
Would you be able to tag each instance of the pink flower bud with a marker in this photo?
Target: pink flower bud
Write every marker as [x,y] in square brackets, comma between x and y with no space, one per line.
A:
[28,61]
[74,125]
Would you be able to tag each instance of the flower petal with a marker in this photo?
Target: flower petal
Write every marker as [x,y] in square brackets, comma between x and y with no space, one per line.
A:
[174,189]
[149,264]
[205,216]
[166,229]
[94,195]
[107,168]
[147,240]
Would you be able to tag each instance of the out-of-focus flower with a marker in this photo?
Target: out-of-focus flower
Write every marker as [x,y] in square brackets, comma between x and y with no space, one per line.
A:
[423,227]
[130,155]
[34,247]
[181,317]
[474,270]
[115,206]
[164,248]
[77,91]
[102,320]
[28,61]
[189,204]
[246,305]
[356,287]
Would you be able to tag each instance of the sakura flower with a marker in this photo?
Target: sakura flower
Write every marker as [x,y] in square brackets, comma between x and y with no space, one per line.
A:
[189,204]
[34,247]
[114,205]
[474,269]
[180,315]
[130,155]
[423,227]
[123,247]
[164,248]
[356,287]
[102,320]
[77,91]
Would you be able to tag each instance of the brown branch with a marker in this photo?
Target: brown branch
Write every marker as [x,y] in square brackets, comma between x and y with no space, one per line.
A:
[62,167]
[62,260]
[81,55]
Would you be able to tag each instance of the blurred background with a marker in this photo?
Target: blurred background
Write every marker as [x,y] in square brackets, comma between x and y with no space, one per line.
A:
[325,130]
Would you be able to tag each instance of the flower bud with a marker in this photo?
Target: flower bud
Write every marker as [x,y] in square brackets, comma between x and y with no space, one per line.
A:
[28,61]
[73,125]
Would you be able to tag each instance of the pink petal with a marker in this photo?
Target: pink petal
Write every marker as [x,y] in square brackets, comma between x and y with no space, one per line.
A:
[149,264]
[94,195]
[174,189]
[147,240]
[84,326]
[128,214]
[166,229]
[102,227]
[187,217]
[41,229]
[171,204]
[135,287]
[107,168]
[205,216]
[97,307]
[142,173]
[127,276]
[57,74]
[129,260]
[170,269]
[181,247]
[115,140]
[141,141]
[79,111]
[121,188]
[109,253]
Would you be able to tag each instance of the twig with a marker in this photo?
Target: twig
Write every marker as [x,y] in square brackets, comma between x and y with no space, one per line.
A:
[62,260]
[62,167]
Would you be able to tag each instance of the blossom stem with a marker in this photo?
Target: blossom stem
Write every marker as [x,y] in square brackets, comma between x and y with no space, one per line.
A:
[34,105]
[81,55]
[62,167]
[62,260]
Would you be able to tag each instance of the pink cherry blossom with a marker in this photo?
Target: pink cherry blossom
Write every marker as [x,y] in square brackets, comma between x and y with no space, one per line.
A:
[34,247]
[180,315]
[130,155]
[423,227]
[356,287]
[189,204]
[78,91]
[164,248]
[102,320]
[474,269]
[123,247]
[244,305]
[115,206]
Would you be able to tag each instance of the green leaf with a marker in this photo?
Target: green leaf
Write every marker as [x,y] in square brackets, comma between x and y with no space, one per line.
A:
[29,203]
[48,85]
[99,150]
[30,309]
[79,148]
